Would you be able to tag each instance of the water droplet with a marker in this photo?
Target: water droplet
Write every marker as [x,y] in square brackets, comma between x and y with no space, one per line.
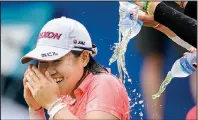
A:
[124,81]
[141,114]
[132,105]
[129,80]
[141,101]
[139,95]
[134,90]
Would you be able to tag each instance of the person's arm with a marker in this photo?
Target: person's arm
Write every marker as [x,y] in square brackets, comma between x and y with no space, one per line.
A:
[64,114]
[39,115]
[173,36]
[182,25]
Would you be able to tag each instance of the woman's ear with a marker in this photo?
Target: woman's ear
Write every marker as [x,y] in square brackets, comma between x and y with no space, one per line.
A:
[85,57]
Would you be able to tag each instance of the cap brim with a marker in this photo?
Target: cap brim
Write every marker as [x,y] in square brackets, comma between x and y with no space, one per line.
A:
[44,53]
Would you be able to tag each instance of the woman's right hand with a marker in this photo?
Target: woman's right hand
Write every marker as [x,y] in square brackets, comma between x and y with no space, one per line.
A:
[32,103]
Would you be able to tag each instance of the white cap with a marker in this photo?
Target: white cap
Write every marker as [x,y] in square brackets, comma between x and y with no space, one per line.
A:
[57,38]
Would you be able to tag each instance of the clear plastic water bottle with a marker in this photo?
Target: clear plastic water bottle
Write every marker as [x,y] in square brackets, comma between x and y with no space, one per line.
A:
[182,67]
[129,19]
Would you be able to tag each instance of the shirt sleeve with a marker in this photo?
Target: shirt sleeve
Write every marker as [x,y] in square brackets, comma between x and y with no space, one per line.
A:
[109,95]
[182,25]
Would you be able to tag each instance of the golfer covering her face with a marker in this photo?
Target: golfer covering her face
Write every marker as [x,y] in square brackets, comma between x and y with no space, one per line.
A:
[68,82]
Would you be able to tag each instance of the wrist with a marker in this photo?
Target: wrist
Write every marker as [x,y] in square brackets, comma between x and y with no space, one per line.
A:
[53,103]
[36,110]
[55,107]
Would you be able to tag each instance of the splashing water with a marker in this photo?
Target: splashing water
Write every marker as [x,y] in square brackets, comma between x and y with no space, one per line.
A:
[163,86]
[127,30]
[129,27]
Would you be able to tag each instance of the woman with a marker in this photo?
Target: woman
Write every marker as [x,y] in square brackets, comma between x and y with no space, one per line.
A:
[68,82]
[176,22]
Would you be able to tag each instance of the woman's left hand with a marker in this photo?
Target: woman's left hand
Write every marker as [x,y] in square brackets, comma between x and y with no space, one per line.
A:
[44,89]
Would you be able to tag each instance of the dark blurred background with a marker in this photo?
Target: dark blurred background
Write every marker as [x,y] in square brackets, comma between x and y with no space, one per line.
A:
[21,22]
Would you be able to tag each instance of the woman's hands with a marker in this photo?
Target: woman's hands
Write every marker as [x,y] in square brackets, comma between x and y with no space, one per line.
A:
[32,103]
[43,88]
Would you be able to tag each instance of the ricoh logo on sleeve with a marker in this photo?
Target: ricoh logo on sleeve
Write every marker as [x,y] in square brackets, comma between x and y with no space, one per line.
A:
[51,35]
[49,54]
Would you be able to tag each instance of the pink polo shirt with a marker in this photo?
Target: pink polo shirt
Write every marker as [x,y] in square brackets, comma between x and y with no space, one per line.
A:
[102,92]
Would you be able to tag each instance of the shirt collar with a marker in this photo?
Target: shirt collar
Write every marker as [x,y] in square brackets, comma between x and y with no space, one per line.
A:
[84,85]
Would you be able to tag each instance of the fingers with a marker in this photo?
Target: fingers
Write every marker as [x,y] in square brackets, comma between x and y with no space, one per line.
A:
[186,53]
[29,68]
[26,72]
[38,73]
[192,49]
[30,87]
[48,76]
[34,76]
[141,17]
[31,81]
[24,81]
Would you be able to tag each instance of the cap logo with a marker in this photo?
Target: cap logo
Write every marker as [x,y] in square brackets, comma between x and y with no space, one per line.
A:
[75,41]
[50,35]
[79,42]
[49,54]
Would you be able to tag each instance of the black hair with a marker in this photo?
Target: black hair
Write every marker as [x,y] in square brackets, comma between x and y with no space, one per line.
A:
[92,67]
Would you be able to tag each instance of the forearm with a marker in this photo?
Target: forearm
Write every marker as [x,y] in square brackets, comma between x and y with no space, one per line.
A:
[166,31]
[64,113]
[182,25]
[39,115]
[174,37]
